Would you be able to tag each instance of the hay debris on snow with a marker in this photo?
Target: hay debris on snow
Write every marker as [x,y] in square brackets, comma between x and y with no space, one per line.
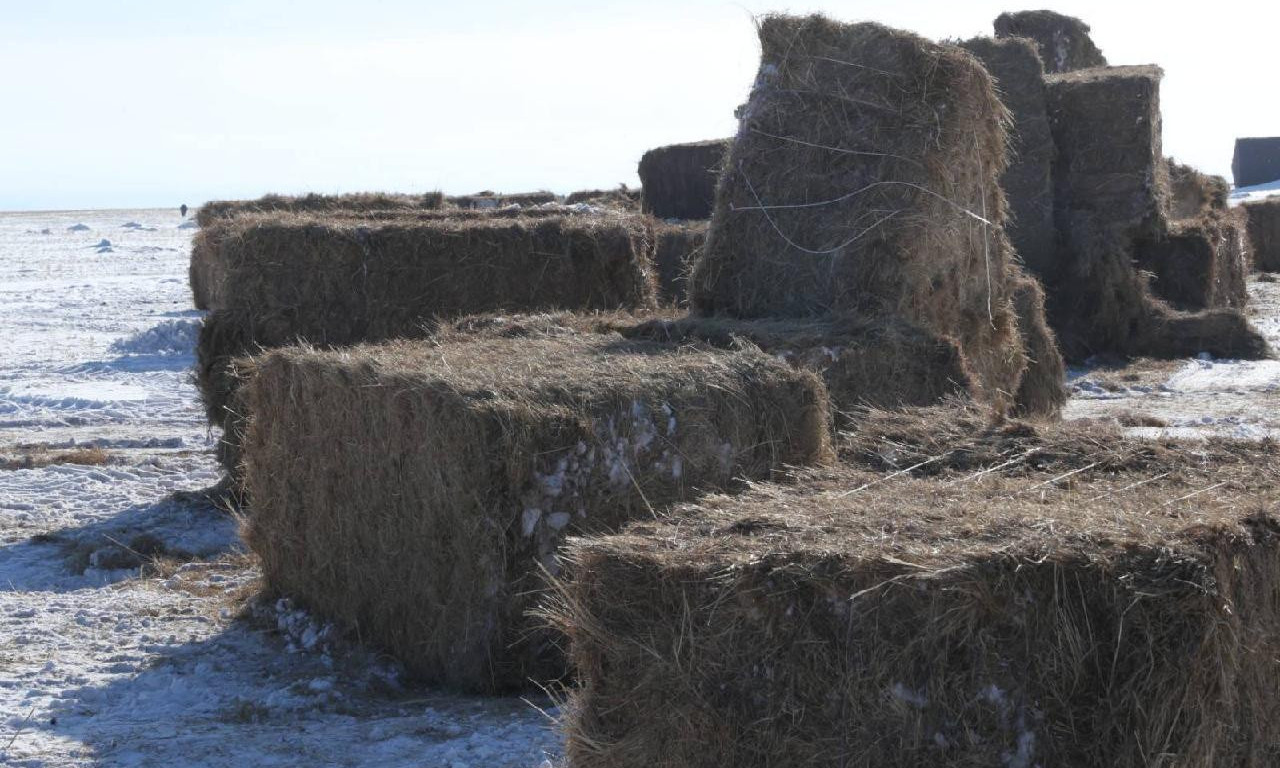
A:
[413,491]
[864,181]
[1064,41]
[994,621]
[679,181]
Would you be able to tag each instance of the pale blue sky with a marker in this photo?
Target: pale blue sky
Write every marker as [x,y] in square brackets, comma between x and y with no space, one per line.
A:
[144,103]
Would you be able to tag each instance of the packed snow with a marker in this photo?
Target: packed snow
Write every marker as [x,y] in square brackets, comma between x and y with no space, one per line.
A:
[109,656]
[1256,192]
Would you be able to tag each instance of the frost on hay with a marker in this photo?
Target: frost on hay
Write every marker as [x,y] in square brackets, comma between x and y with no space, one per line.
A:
[413,491]
[850,619]
[864,182]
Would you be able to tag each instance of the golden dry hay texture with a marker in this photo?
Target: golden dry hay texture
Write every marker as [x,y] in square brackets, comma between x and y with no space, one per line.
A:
[864,181]
[413,491]
[968,619]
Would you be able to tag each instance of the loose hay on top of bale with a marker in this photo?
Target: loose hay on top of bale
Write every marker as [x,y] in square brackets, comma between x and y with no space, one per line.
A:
[621,198]
[412,492]
[679,181]
[1028,181]
[214,210]
[1193,194]
[1256,161]
[489,200]
[1264,233]
[864,181]
[678,247]
[1064,41]
[1001,621]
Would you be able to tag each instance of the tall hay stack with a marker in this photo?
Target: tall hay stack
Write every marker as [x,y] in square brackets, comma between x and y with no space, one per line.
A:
[864,183]
[933,623]
[1256,161]
[414,491]
[679,181]
[1028,181]
[1064,41]
[1264,232]
[1111,194]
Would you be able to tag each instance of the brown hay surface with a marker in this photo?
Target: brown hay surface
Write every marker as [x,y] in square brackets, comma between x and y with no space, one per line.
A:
[1264,233]
[679,181]
[622,198]
[489,200]
[1028,181]
[212,211]
[884,363]
[1193,194]
[866,162]
[1064,41]
[1043,389]
[1200,263]
[679,245]
[412,491]
[847,619]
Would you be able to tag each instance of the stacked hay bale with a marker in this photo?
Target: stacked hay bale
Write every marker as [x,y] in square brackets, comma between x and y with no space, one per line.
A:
[489,200]
[1064,41]
[851,619]
[1015,65]
[1256,161]
[679,246]
[215,210]
[621,198]
[1111,195]
[336,281]
[679,181]
[1264,232]
[414,491]
[863,185]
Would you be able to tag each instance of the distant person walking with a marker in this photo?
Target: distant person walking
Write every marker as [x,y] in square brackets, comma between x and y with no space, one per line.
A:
[184,210]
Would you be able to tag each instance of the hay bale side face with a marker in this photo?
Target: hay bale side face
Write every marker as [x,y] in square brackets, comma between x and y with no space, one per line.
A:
[1064,41]
[884,364]
[1043,390]
[1028,181]
[343,281]
[1264,233]
[1256,161]
[1200,264]
[846,193]
[678,247]
[679,181]
[216,210]
[412,491]
[921,625]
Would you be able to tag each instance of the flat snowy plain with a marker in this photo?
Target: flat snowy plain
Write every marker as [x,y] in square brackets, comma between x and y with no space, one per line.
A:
[101,665]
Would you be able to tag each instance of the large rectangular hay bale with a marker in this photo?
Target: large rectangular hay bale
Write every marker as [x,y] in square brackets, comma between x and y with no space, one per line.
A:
[679,181]
[864,181]
[1200,263]
[1064,41]
[489,200]
[1256,161]
[413,491]
[1264,233]
[923,623]
[215,210]
[1028,181]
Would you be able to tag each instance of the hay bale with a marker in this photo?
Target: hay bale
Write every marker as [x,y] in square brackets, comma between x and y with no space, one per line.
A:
[679,181]
[1004,622]
[1193,194]
[622,198]
[1256,161]
[1028,181]
[1264,233]
[880,364]
[864,181]
[489,200]
[413,491]
[216,210]
[679,245]
[1064,41]
[1200,263]
[1043,389]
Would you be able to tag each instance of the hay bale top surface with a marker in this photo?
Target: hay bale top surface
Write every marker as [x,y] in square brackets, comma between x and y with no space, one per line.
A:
[854,518]
[213,210]
[498,371]
[1104,74]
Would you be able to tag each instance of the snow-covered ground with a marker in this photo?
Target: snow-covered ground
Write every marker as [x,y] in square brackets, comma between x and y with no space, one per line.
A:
[1256,192]
[103,663]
